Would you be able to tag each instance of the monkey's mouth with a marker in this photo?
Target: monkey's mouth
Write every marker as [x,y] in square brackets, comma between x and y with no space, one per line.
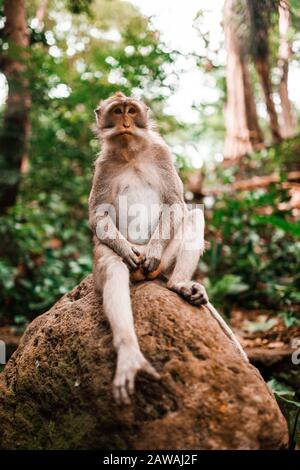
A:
[125,133]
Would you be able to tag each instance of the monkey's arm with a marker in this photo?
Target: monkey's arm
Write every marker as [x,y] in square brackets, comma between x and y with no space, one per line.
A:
[167,226]
[102,224]
[109,235]
[173,212]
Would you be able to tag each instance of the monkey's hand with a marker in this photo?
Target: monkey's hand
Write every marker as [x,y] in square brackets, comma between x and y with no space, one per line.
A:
[153,255]
[130,361]
[130,255]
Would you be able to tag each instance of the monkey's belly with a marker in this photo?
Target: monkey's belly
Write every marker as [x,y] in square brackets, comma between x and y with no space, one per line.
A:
[139,209]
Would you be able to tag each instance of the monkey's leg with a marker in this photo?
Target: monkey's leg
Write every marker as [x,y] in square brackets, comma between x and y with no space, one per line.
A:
[111,276]
[181,258]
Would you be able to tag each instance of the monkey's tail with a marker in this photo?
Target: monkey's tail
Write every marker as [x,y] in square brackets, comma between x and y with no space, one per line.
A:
[229,333]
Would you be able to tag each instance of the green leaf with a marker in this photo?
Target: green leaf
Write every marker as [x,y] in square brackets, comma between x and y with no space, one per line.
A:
[262,325]
[290,409]
[286,226]
[291,412]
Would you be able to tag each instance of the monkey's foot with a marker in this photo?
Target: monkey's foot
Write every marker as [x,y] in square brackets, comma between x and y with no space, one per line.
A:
[192,291]
[130,362]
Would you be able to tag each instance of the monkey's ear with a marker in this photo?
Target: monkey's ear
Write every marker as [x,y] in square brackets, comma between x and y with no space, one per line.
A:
[97,112]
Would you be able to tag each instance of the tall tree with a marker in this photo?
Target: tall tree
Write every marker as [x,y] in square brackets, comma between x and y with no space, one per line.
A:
[260,20]
[16,125]
[288,119]
[243,133]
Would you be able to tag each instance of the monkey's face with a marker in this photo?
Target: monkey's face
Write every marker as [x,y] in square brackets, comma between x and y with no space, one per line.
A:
[122,118]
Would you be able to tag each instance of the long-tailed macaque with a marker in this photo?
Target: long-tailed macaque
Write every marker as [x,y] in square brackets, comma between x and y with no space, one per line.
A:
[142,228]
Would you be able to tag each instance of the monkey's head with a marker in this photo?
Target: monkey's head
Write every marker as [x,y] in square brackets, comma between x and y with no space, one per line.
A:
[122,118]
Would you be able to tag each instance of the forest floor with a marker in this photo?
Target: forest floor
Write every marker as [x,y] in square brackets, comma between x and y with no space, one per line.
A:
[264,335]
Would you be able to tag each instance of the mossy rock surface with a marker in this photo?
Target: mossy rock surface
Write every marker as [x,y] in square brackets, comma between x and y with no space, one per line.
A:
[55,391]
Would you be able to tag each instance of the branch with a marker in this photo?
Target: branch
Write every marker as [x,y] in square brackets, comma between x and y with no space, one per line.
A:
[252,183]
[41,11]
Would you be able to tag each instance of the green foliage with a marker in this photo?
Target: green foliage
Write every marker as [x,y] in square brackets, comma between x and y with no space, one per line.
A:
[265,258]
[262,324]
[290,409]
[47,252]
[86,51]
[288,317]
[79,6]
[227,286]
[75,61]
[255,243]
[79,59]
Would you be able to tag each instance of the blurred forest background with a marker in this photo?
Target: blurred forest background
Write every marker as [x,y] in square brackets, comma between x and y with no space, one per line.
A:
[239,156]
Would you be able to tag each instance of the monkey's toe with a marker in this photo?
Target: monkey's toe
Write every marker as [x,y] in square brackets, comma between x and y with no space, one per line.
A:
[199,295]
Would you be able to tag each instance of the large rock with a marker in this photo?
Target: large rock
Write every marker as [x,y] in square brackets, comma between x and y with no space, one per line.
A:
[55,392]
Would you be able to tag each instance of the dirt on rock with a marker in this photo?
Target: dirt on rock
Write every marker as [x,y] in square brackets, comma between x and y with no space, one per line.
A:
[55,391]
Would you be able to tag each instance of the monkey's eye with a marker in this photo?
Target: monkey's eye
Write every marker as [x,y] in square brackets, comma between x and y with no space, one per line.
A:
[131,110]
[118,111]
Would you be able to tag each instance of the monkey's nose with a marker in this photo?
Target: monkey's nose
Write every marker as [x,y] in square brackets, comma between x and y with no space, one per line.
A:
[126,125]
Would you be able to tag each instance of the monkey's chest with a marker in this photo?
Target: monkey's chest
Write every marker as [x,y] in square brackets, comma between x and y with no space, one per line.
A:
[138,207]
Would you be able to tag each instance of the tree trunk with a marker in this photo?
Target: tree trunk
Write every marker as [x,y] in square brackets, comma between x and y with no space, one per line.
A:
[16,125]
[256,135]
[263,70]
[243,133]
[288,120]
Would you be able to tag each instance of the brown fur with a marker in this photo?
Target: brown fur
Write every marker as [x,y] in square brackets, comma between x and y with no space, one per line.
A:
[132,151]
[132,154]
[136,162]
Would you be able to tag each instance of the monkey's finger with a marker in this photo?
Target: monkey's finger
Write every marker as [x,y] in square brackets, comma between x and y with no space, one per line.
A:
[151,264]
[130,383]
[120,392]
[136,259]
[124,395]
[131,263]
[186,292]
[150,370]
[195,289]
[136,251]
[198,301]
[146,264]
[196,296]
[199,295]
[156,263]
